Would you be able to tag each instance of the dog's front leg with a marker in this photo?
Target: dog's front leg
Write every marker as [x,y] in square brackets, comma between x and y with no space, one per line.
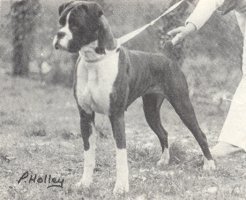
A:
[118,126]
[89,137]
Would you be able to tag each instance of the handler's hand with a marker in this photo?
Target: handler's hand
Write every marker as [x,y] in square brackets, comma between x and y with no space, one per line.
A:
[181,32]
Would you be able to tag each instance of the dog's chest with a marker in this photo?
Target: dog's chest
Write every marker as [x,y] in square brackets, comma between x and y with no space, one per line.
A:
[95,83]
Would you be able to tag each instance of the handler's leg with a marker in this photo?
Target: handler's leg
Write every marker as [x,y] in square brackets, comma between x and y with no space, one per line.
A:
[233,135]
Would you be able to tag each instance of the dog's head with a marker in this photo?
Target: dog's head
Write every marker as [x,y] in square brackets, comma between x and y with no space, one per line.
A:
[81,23]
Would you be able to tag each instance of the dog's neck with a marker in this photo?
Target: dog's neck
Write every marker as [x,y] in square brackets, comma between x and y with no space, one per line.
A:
[106,40]
[90,55]
[105,43]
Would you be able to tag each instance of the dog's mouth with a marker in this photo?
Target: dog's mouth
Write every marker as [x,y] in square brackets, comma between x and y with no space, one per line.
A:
[57,46]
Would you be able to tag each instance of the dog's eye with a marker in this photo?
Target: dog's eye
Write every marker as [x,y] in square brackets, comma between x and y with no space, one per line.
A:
[60,25]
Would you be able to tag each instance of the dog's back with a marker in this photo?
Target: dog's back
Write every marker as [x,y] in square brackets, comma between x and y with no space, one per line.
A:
[146,72]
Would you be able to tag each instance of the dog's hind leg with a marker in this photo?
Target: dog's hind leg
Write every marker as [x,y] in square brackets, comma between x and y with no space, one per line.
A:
[152,104]
[118,127]
[179,98]
[88,132]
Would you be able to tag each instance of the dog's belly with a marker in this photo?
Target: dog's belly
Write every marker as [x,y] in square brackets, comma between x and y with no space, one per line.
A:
[95,83]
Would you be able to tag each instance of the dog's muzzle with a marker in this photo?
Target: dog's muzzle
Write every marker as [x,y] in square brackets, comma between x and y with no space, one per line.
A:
[56,42]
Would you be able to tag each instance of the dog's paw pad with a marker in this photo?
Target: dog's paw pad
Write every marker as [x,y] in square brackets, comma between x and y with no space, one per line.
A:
[209,165]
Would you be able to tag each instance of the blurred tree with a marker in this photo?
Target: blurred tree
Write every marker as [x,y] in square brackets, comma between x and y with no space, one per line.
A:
[23,21]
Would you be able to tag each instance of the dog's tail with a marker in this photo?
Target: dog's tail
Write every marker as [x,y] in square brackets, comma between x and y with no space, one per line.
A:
[175,53]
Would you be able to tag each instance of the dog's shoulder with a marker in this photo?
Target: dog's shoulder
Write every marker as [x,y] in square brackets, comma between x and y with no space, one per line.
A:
[144,56]
[131,61]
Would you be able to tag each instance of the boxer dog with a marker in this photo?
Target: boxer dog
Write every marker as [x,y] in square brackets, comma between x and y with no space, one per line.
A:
[108,79]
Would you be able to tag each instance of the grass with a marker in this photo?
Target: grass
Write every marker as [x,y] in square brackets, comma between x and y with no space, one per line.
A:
[39,133]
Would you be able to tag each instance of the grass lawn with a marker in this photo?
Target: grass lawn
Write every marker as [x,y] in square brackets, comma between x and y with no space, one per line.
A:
[39,133]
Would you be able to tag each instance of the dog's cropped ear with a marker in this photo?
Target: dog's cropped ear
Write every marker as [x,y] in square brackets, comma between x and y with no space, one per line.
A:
[98,11]
[105,36]
[63,7]
[94,10]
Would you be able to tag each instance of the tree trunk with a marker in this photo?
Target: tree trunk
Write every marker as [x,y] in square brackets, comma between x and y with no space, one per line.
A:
[23,21]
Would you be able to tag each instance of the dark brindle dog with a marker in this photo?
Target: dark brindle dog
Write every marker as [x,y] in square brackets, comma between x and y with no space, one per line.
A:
[108,80]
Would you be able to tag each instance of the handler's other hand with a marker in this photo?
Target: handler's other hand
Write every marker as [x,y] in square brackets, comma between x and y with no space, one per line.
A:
[181,32]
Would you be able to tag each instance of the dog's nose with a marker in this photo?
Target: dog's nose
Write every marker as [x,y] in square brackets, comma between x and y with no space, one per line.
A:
[60,35]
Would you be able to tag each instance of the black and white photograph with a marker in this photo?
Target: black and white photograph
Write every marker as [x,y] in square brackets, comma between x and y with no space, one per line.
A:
[122,99]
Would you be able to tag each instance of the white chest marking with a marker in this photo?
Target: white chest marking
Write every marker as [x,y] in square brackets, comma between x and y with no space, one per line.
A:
[95,83]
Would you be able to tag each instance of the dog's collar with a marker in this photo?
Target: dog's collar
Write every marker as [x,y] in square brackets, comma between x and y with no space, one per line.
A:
[90,56]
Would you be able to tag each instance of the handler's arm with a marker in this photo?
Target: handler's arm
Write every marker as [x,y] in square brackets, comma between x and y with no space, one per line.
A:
[203,11]
[200,15]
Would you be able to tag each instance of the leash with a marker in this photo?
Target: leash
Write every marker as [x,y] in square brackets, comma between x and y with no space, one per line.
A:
[129,36]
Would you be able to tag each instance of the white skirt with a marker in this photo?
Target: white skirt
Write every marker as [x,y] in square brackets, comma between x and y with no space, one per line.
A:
[234,128]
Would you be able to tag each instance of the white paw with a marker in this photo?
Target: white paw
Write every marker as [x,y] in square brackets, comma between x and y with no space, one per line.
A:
[162,162]
[121,188]
[209,165]
[165,157]
[84,183]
